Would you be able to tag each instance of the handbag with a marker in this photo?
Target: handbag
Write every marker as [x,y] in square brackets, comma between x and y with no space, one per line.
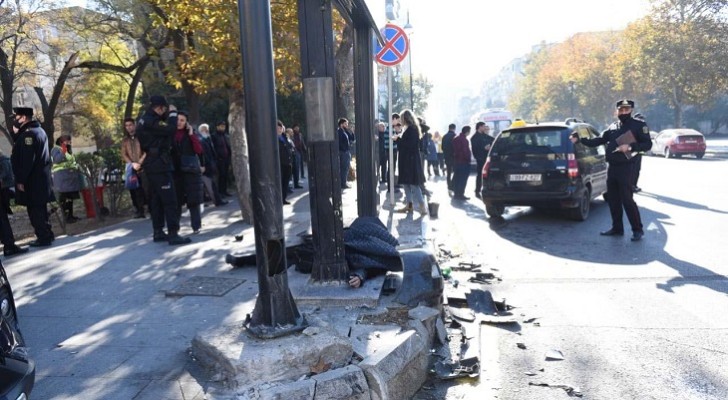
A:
[189,163]
[131,179]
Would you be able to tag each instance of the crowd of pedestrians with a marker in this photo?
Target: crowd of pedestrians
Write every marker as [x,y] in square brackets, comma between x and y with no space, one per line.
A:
[417,153]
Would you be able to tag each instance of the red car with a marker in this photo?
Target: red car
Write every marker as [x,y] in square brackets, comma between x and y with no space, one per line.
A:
[677,142]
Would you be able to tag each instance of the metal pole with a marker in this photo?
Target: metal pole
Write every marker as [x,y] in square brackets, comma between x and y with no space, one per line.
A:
[366,181]
[275,313]
[391,142]
[412,92]
[317,65]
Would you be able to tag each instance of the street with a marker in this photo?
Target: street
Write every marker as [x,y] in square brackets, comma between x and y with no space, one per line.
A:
[633,320]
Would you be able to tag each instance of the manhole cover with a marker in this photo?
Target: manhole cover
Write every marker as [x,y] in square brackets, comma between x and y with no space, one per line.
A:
[204,286]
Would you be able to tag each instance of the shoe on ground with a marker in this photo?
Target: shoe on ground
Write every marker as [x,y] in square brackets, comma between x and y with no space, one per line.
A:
[221,203]
[176,240]
[345,187]
[298,187]
[477,194]
[286,202]
[636,189]
[14,250]
[160,237]
[41,243]
[637,236]
[139,216]
[195,231]
[464,198]
[612,232]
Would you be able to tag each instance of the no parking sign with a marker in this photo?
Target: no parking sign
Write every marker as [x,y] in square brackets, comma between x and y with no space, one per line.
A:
[396,46]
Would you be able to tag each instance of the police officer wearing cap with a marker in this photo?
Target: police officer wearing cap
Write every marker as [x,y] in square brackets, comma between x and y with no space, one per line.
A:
[32,169]
[620,150]
[155,130]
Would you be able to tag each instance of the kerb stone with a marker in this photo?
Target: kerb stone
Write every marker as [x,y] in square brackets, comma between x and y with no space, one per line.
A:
[399,371]
[348,383]
[243,360]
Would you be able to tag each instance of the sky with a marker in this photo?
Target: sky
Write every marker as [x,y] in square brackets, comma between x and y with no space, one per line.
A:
[458,44]
[457,40]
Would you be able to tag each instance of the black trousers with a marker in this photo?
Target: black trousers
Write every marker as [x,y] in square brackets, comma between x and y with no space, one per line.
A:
[6,231]
[637,166]
[223,167]
[39,219]
[162,200]
[479,175]
[286,172]
[137,195]
[450,167]
[620,179]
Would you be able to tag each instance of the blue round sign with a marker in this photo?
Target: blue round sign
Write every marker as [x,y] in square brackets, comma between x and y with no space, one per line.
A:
[396,46]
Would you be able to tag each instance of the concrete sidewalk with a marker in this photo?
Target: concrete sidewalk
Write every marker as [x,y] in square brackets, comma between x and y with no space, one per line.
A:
[104,318]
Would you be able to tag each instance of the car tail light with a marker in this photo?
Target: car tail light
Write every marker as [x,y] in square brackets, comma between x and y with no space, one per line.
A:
[572,166]
[486,167]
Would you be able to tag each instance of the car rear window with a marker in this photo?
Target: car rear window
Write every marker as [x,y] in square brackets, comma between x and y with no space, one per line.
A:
[542,141]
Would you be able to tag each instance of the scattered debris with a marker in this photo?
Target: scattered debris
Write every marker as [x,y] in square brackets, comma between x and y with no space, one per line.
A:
[446,371]
[528,321]
[519,345]
[571,391]
[554,355]
[463,314]
[239,238]
[531,373]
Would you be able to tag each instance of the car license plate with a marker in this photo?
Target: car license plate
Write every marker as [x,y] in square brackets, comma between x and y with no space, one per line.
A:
[691,141]
[525,177]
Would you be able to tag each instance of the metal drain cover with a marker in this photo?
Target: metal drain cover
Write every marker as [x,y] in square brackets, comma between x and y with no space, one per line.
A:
[204,286]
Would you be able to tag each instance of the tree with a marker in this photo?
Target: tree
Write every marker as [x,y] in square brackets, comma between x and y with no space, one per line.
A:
[679,50]
[421,88]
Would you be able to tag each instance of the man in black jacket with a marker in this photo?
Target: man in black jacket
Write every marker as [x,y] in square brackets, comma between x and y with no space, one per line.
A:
[31,162]
[155,130]
[622,139]
[447,151]
[480,143]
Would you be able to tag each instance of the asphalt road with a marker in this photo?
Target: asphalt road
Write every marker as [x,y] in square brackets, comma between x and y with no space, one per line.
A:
[641,320]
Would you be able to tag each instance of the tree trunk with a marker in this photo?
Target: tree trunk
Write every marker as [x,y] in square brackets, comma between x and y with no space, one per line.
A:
[678,115]
[240,160]
[344,74]
[6,81]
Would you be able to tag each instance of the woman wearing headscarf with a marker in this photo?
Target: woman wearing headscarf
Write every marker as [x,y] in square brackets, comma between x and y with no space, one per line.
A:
[65,176]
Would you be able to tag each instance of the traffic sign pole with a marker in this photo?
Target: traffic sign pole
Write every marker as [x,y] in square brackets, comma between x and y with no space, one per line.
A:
[390,184]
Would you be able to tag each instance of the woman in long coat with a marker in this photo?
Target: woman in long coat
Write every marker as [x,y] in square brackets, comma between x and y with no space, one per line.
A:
[188,183]
[411,173]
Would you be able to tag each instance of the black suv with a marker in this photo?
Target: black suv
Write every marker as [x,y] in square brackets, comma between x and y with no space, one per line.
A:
[537,165]
[17,370]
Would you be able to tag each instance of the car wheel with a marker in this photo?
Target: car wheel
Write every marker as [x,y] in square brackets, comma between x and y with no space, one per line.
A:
[494,210]
[667,152]
[581,213]
[699,155]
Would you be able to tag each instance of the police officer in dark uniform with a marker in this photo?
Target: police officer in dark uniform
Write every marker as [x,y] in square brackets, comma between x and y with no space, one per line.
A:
[620,174]
[32,169]
[155,130]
